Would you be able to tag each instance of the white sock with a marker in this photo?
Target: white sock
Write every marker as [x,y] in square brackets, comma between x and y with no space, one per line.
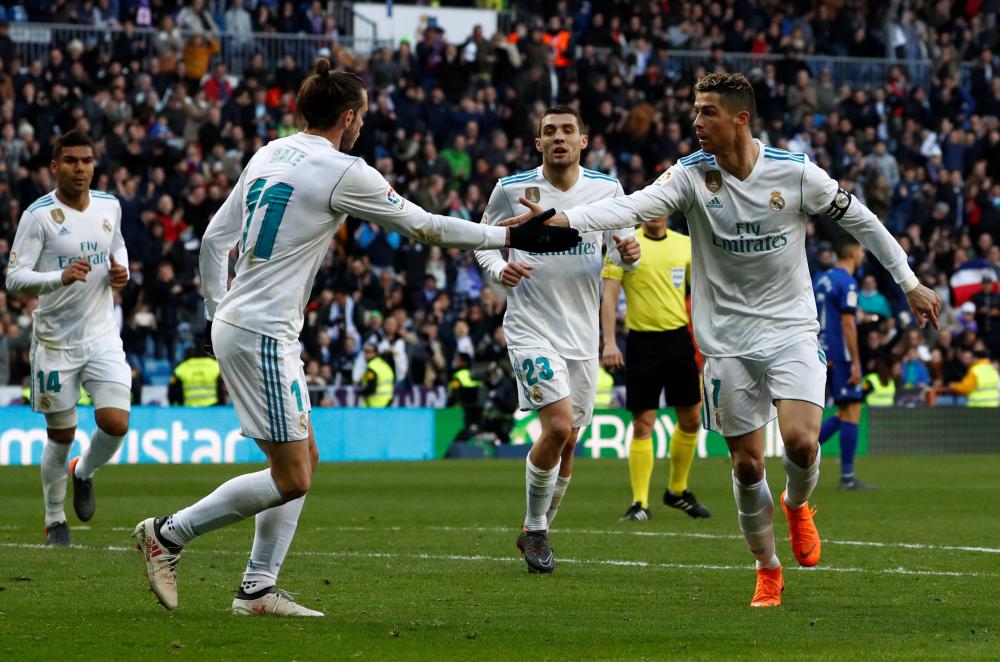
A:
[562,482]
[54,475]
[755,509]
[231,502]
[271,539]
[102,448]
[800,482]
[540,484]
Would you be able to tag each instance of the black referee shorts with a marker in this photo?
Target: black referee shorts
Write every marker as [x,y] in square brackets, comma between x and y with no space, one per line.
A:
[658,361]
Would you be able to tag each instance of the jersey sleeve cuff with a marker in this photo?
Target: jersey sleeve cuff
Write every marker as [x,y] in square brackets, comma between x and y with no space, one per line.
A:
[574,218]
[909,284]
[494,236]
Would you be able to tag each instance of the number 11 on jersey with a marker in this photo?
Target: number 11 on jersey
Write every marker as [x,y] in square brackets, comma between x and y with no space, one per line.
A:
[274,199]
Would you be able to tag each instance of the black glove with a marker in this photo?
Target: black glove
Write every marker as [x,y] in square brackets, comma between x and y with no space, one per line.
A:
[536,237]
[208,339]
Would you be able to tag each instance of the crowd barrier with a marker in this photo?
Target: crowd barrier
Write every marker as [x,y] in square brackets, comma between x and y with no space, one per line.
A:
[183,435]
[35,40]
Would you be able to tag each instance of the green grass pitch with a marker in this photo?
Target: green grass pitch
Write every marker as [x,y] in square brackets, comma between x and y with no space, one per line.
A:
[417,561]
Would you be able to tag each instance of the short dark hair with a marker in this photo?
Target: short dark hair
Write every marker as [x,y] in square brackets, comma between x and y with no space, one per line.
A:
[74,138]
[326,94]
[734,90]
[563,109]
[844,244]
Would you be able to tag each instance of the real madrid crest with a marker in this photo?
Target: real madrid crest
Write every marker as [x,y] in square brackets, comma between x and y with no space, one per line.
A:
[106,224]
[57,215]
[777,202]
[303,424]
[45,402]
[532,194]
[713,180]
[536,393]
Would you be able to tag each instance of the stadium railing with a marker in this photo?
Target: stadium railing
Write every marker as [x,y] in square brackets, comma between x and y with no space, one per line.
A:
[33,41]
[858,72]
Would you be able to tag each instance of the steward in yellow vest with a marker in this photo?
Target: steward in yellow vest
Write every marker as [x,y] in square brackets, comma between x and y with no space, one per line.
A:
[196,381]
[879,393]
[378,382]
[981,383]
[604,397]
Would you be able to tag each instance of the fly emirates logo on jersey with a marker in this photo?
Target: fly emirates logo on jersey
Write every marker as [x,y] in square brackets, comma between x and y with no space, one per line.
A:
[583,248]
[750,240]
[89,251]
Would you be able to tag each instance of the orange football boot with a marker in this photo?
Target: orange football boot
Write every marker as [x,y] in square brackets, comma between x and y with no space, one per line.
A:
[802,533]
[769,587]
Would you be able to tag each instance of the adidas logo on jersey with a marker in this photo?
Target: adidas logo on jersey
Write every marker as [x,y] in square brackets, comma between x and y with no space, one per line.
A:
[714,203]
[63,232]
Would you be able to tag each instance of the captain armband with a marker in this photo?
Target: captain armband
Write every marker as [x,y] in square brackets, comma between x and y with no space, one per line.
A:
[841,202]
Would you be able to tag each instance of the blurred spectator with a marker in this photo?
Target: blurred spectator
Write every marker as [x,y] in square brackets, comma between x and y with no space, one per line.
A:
[873,304]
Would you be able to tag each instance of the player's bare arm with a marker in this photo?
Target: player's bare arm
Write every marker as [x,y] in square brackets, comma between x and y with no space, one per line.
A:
[611,356]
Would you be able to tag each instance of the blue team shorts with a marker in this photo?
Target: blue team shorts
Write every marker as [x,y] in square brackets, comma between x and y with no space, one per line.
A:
[838,375]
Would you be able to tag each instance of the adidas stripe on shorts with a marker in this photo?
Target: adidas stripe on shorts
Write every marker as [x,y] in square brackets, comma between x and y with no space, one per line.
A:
[266,382]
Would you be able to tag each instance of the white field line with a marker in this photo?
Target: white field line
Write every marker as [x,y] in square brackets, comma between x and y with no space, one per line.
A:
[605,532]
[479,558]
[715,536]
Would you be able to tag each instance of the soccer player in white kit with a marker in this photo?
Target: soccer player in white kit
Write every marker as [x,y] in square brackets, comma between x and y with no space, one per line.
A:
[68,251]
[281,216]
[754,310]
[552,316]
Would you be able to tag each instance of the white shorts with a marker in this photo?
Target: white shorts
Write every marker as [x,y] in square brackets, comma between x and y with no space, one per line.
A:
[544,377]
[57,374]
[739,391]
[264,377]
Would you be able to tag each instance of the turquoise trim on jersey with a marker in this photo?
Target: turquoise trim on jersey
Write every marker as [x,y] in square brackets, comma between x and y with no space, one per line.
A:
[267,384]
[783,155]
[698,157]
[594,174]
[519,180]
[41,202]
[102,194]
[519,177]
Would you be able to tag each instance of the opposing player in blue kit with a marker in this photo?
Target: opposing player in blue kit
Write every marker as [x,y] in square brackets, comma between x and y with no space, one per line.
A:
[837,304]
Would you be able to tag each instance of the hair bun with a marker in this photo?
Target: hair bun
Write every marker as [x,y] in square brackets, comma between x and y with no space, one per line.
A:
[322,66]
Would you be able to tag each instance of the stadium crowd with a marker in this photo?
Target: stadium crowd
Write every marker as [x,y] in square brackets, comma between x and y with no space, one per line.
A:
[450,114]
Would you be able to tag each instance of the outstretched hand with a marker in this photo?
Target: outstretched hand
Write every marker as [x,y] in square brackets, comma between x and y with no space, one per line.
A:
[533,235]
[925,304]
[534,209]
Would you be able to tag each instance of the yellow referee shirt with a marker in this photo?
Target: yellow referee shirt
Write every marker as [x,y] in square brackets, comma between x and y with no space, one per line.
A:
[655,291]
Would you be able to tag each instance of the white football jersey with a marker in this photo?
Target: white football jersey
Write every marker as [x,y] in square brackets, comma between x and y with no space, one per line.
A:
[282,215]
[51,235]
[750,280]
[559,306]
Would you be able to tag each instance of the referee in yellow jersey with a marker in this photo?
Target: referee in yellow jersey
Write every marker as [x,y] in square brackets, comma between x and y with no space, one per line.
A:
[659,356]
